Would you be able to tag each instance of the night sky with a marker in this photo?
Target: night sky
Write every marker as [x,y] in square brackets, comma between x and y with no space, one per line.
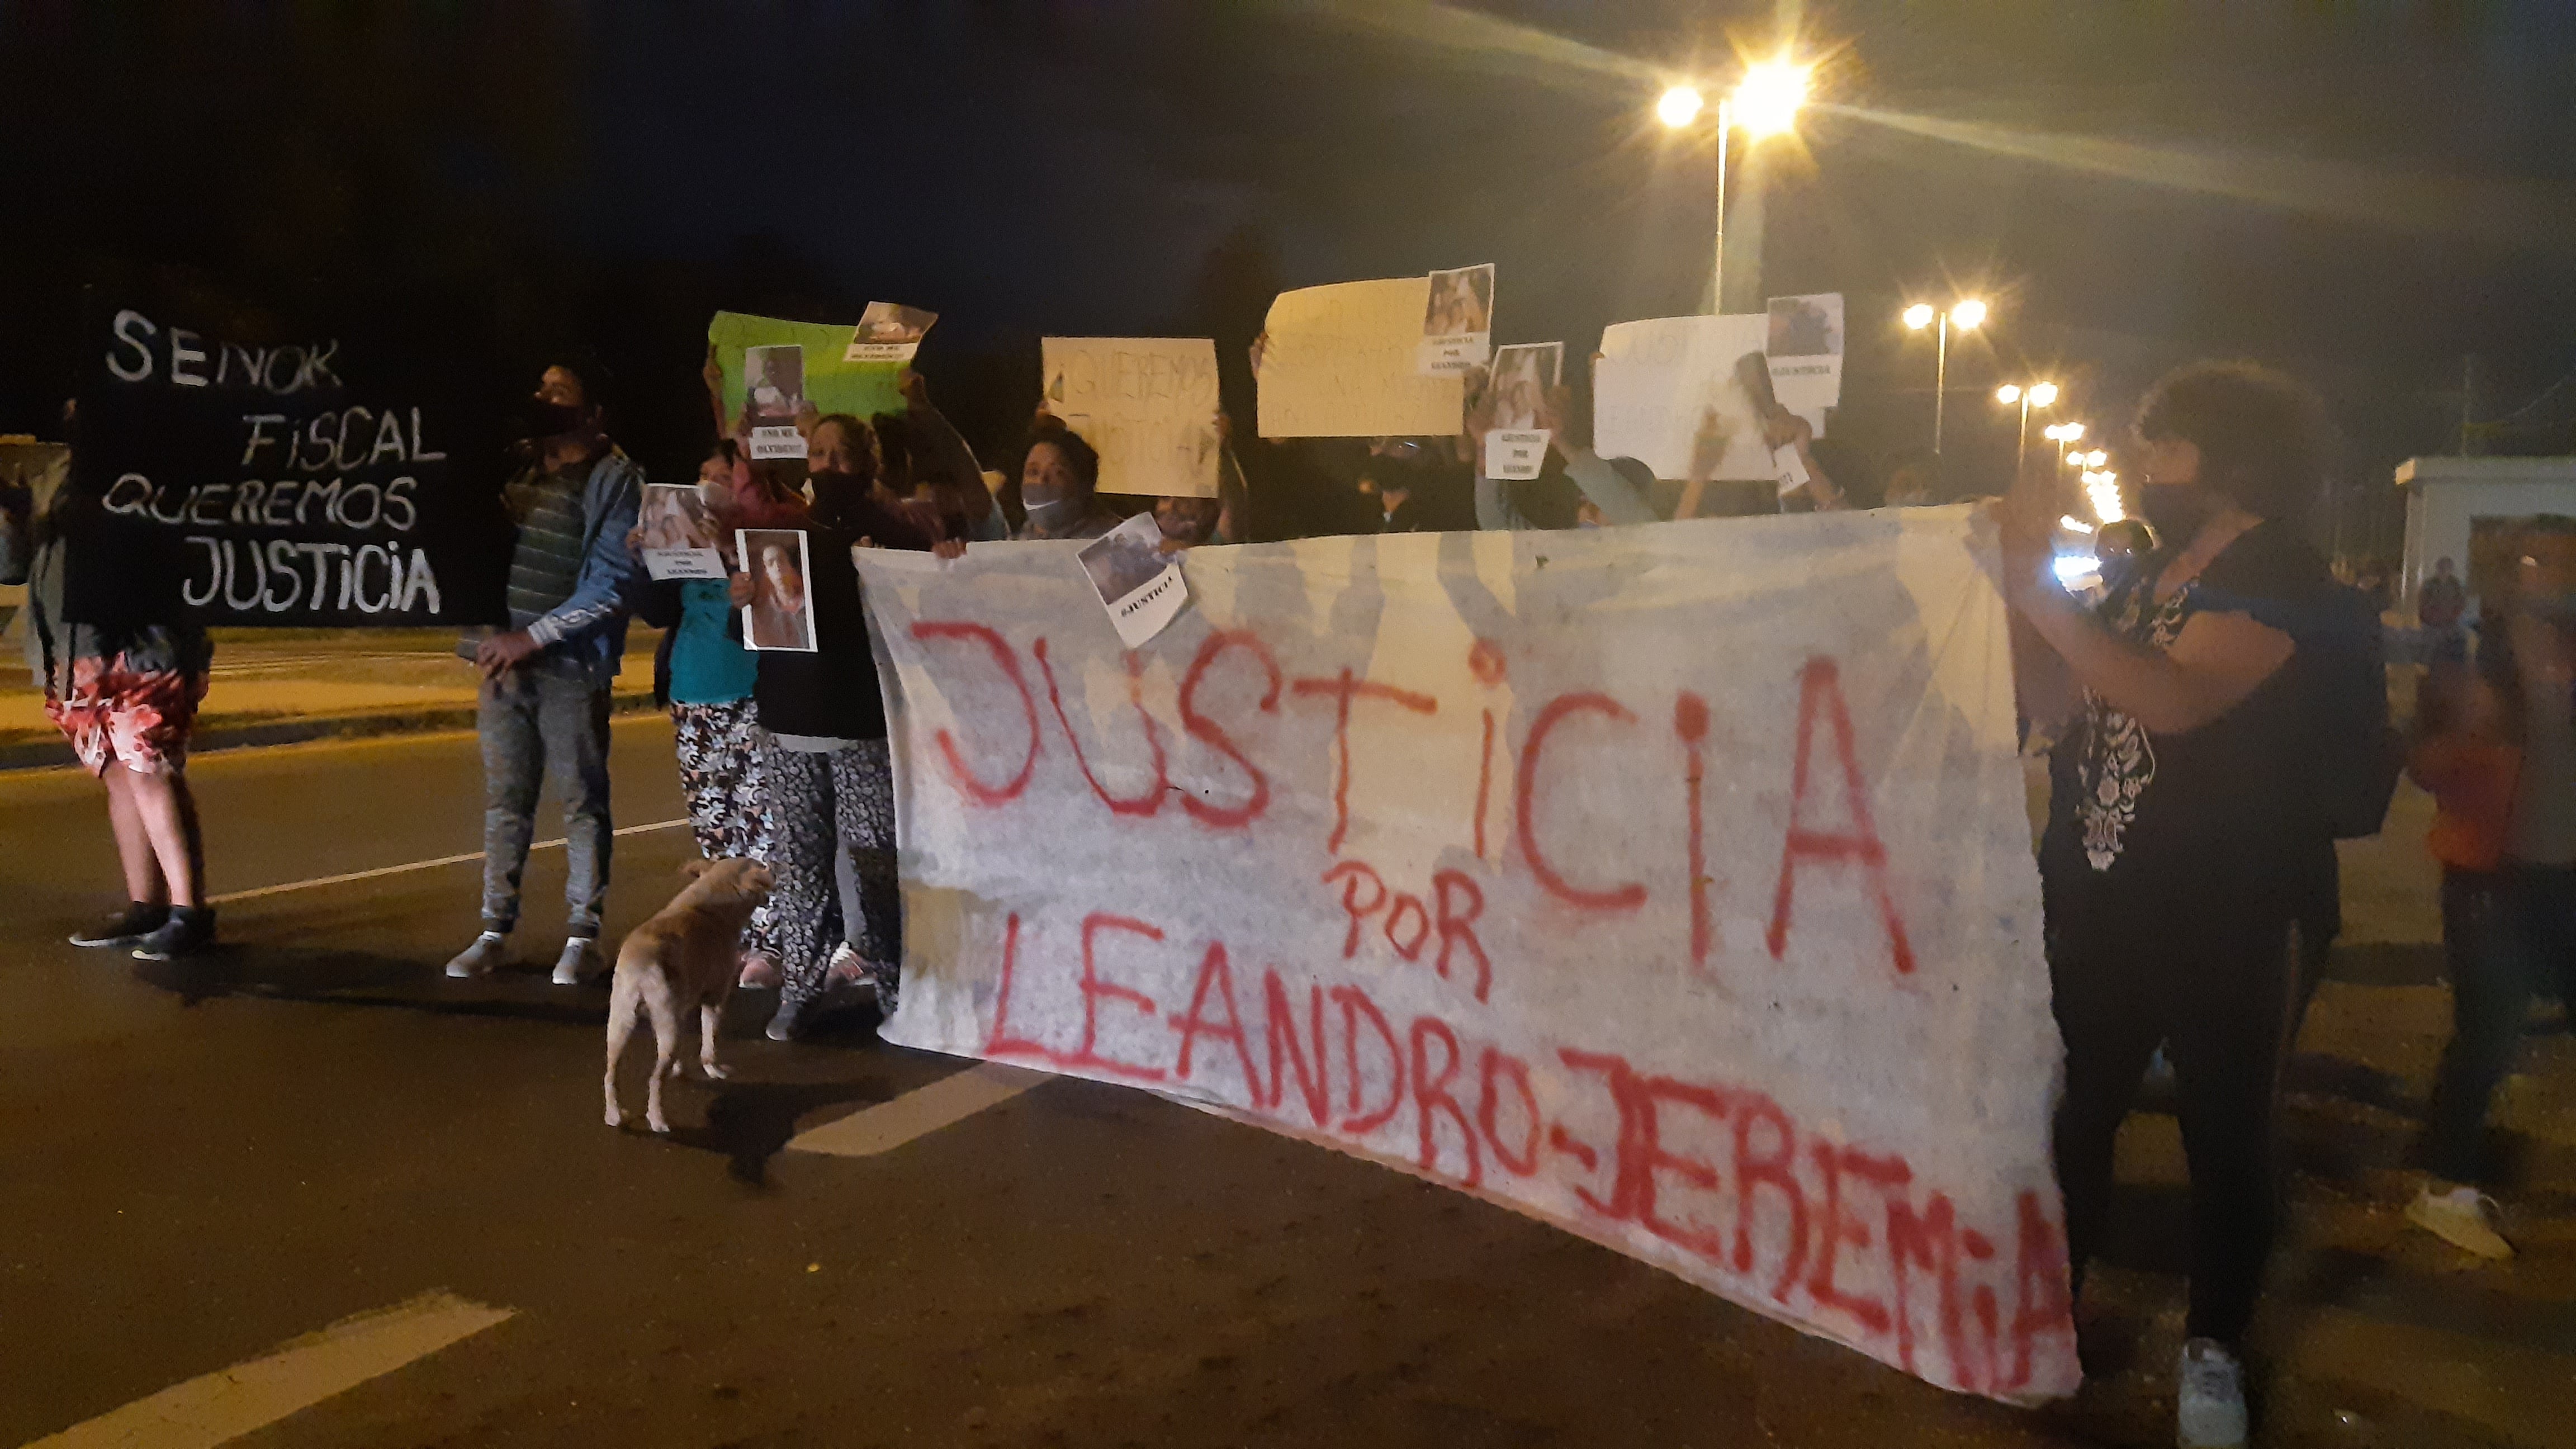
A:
[2366,192]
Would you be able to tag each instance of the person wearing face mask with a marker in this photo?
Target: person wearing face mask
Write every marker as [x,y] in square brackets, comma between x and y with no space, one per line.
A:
[544,700]
[704,677]
[2173,870]
[824,760]
[1058,491]
[1186,523]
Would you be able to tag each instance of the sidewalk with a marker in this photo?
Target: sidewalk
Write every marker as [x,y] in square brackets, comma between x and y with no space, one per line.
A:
[279,686]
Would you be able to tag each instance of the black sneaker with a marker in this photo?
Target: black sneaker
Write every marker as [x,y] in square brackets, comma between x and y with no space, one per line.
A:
[189,930]
[126,928]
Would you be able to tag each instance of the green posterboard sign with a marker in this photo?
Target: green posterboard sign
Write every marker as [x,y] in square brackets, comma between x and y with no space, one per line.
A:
[831,383]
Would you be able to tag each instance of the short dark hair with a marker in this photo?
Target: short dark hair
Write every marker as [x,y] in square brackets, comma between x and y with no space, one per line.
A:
[861,436]
[598,383]
[1083,458]
[2262,434]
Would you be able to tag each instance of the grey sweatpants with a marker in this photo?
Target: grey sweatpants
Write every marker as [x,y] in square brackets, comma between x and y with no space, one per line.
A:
[549,715]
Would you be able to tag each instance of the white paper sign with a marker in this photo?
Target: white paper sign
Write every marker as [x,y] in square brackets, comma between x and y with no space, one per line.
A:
[1670,883]
[774,387]
[1138,583]
[1147,403]
[1790,469]
[1660,383]
[1805,349]
[1515,453]
[888,332]
[1457,322]
[679,539]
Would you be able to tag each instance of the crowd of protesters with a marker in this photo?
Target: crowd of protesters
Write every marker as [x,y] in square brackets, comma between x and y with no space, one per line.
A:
[2217,716]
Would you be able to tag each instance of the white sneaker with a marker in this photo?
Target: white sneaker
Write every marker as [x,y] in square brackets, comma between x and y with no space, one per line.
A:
[2210,1389]
[2462,1217]
[579,962]
[490,949]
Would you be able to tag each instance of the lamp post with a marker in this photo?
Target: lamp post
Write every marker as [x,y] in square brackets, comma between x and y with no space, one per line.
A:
[1765,103]
[2038,395]
[1968,314]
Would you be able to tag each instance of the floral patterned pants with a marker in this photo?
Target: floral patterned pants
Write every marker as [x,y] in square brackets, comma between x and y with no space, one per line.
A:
[721,778]
[822,804]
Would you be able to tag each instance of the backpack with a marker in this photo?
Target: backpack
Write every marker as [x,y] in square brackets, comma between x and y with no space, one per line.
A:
[2357,754]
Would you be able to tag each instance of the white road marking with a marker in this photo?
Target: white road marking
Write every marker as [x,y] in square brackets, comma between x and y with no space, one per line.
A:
[228,1403]
[888,1125]
[255,893]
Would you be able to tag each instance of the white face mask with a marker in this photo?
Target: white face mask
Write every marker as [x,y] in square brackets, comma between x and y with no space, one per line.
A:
[1053,514]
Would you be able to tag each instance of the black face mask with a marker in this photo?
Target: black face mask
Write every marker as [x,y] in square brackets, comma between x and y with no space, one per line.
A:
[540,420]
[2175,510]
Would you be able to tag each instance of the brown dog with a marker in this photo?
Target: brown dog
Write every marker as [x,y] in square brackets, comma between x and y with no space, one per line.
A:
[687,955]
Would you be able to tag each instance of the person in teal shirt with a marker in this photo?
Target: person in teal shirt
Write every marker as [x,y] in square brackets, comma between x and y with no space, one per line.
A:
[703,675]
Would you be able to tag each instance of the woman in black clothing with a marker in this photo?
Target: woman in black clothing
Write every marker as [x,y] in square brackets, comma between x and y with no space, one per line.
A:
[2175,865]
[823,733]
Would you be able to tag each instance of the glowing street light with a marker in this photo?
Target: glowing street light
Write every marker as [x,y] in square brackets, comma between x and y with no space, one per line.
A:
[1967,312]
[2103,491]
[2096,458]
[1765,103]
[2037,395]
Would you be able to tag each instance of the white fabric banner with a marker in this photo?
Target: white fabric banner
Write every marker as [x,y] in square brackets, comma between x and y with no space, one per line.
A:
[1671,884]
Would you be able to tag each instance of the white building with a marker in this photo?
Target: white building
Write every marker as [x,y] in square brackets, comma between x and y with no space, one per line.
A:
[2460,508]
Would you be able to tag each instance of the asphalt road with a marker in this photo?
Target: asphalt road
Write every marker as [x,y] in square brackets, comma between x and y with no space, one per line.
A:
[203,1163]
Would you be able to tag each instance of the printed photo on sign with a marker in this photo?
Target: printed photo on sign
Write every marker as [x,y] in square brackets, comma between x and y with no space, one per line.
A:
[1458,320]
[888,332]
[679,538]
[1523,375]
[1806,353]
[781,612]
[775,393]
[1138,583]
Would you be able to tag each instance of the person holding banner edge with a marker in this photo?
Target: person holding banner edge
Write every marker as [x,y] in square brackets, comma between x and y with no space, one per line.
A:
[2173,870]
[544,699]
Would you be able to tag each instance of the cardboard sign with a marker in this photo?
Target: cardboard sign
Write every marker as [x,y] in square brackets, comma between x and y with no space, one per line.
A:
[1457,321]
[1139,584]
[1340,363]
[1147,403]
[299,479]
[1671,884]
[1661,383]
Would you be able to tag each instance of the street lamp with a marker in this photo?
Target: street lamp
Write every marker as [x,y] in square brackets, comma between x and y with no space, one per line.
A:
[1765,103]
[1967,313]
[2037,395]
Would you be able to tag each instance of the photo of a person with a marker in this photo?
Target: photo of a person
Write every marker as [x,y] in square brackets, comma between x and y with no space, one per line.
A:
[1806,326]
[1462,302]
[886,322]
[773,383]
[675,516]
[1124,560]
[1523,375]
[781,612]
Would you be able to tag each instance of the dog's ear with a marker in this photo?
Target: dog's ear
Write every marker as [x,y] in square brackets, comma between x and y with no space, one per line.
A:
[692,869]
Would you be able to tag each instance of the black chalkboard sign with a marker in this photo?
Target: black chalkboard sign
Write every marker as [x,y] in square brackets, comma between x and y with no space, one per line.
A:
[285,480]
